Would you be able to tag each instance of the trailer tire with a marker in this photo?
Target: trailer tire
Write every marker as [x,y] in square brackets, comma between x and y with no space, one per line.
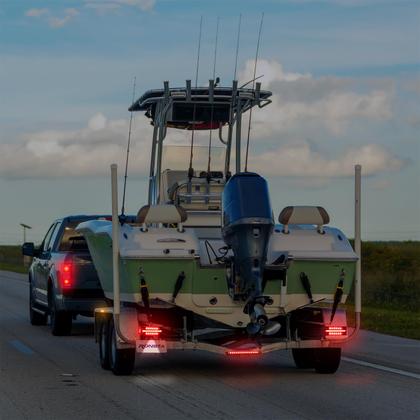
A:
[327,360]
[103,341]
[35,317]
[121,360]
[304,358]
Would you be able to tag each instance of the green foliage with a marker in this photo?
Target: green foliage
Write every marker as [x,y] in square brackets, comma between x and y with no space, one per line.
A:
[391,275]
[387,320]
[11,259]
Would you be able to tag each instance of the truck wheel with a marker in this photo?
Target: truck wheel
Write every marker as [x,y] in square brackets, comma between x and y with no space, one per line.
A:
[327,360]
[121,360]
[35,317]
[304,358]
[104,345]
[60,321]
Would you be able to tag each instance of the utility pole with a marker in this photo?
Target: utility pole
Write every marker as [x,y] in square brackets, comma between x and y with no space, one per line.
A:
[24,226]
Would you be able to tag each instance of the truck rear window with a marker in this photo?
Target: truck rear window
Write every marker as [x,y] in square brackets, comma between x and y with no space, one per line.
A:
[72,241]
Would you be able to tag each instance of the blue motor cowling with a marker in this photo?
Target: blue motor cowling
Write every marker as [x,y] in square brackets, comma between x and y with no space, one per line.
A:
[246,228]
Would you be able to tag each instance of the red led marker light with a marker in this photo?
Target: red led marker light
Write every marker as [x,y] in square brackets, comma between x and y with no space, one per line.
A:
[242,352]
[335,331]
[151,331]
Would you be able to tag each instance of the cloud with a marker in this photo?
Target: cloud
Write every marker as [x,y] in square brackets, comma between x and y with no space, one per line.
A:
[382,184]
[360,3]
[36,12]
[90,150]
[301,160]
[69,14]
[272,71]
[300,100]
[102,7]
[84,152]
[412,85]
[54,21]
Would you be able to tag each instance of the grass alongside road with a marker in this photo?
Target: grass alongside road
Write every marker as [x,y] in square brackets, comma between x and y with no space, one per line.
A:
[391,285]
[391,288]
[11,259]
[387,320]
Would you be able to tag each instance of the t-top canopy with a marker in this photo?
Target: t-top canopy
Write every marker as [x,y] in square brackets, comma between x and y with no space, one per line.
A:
[201,107]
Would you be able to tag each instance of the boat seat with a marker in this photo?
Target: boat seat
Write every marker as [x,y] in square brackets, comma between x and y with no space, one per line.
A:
[304,215]
[161,213]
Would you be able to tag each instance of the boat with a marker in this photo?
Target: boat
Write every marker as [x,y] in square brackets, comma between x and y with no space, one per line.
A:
[207,260]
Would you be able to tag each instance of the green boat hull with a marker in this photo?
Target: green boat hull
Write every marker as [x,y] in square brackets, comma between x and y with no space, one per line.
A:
[161,275]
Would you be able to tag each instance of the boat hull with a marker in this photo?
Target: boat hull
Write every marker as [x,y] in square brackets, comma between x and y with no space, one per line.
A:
[204,290]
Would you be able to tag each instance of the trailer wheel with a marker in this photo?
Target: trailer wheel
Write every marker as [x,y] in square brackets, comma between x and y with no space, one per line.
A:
[327,360]
[304,358]
[104,345]
[35,317]
[121,360]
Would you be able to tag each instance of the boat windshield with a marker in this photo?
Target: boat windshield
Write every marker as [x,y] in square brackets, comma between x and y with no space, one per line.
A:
[178,158]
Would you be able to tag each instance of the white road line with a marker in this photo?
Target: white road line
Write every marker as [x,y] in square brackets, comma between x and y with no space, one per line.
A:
[380,367]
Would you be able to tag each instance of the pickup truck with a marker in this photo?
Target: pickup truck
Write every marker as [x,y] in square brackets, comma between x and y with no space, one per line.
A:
[62,278]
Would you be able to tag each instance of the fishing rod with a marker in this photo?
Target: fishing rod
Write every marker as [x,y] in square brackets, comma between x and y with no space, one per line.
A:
[212,105]
[128,149]
[253,86]
[190,169]
[233,104]
[237,46]
[252,80]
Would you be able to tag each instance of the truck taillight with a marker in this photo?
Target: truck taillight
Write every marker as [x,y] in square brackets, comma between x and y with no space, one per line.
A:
[335,331]
[66,275]
[150,331]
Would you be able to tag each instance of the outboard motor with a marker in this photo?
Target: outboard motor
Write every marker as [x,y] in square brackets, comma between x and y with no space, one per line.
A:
[246,228]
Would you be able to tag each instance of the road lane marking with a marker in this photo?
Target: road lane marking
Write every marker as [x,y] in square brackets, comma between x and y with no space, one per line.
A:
[18,345]
[380,367]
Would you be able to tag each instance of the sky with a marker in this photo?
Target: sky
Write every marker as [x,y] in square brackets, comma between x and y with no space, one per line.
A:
[345,77]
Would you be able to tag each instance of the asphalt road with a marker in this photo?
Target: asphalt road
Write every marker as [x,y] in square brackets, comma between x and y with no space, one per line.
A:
[46,377]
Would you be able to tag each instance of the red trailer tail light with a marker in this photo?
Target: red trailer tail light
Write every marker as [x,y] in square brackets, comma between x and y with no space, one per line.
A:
[248,352]
[335,331]
[150,331]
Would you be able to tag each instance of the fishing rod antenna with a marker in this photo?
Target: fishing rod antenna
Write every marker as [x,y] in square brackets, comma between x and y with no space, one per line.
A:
[128,149]
[253,86]
[233,103]
[190,169]
[211,88]
[237,46]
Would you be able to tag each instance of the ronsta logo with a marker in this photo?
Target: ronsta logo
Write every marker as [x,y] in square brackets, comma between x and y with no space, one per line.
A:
[151,346]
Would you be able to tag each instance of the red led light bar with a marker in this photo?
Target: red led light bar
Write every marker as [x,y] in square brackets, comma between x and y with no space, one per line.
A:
[335,331]
[243,352]
[150,331]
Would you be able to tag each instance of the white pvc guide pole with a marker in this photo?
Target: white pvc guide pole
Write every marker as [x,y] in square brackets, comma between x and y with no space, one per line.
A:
[115,239]
[357,240]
